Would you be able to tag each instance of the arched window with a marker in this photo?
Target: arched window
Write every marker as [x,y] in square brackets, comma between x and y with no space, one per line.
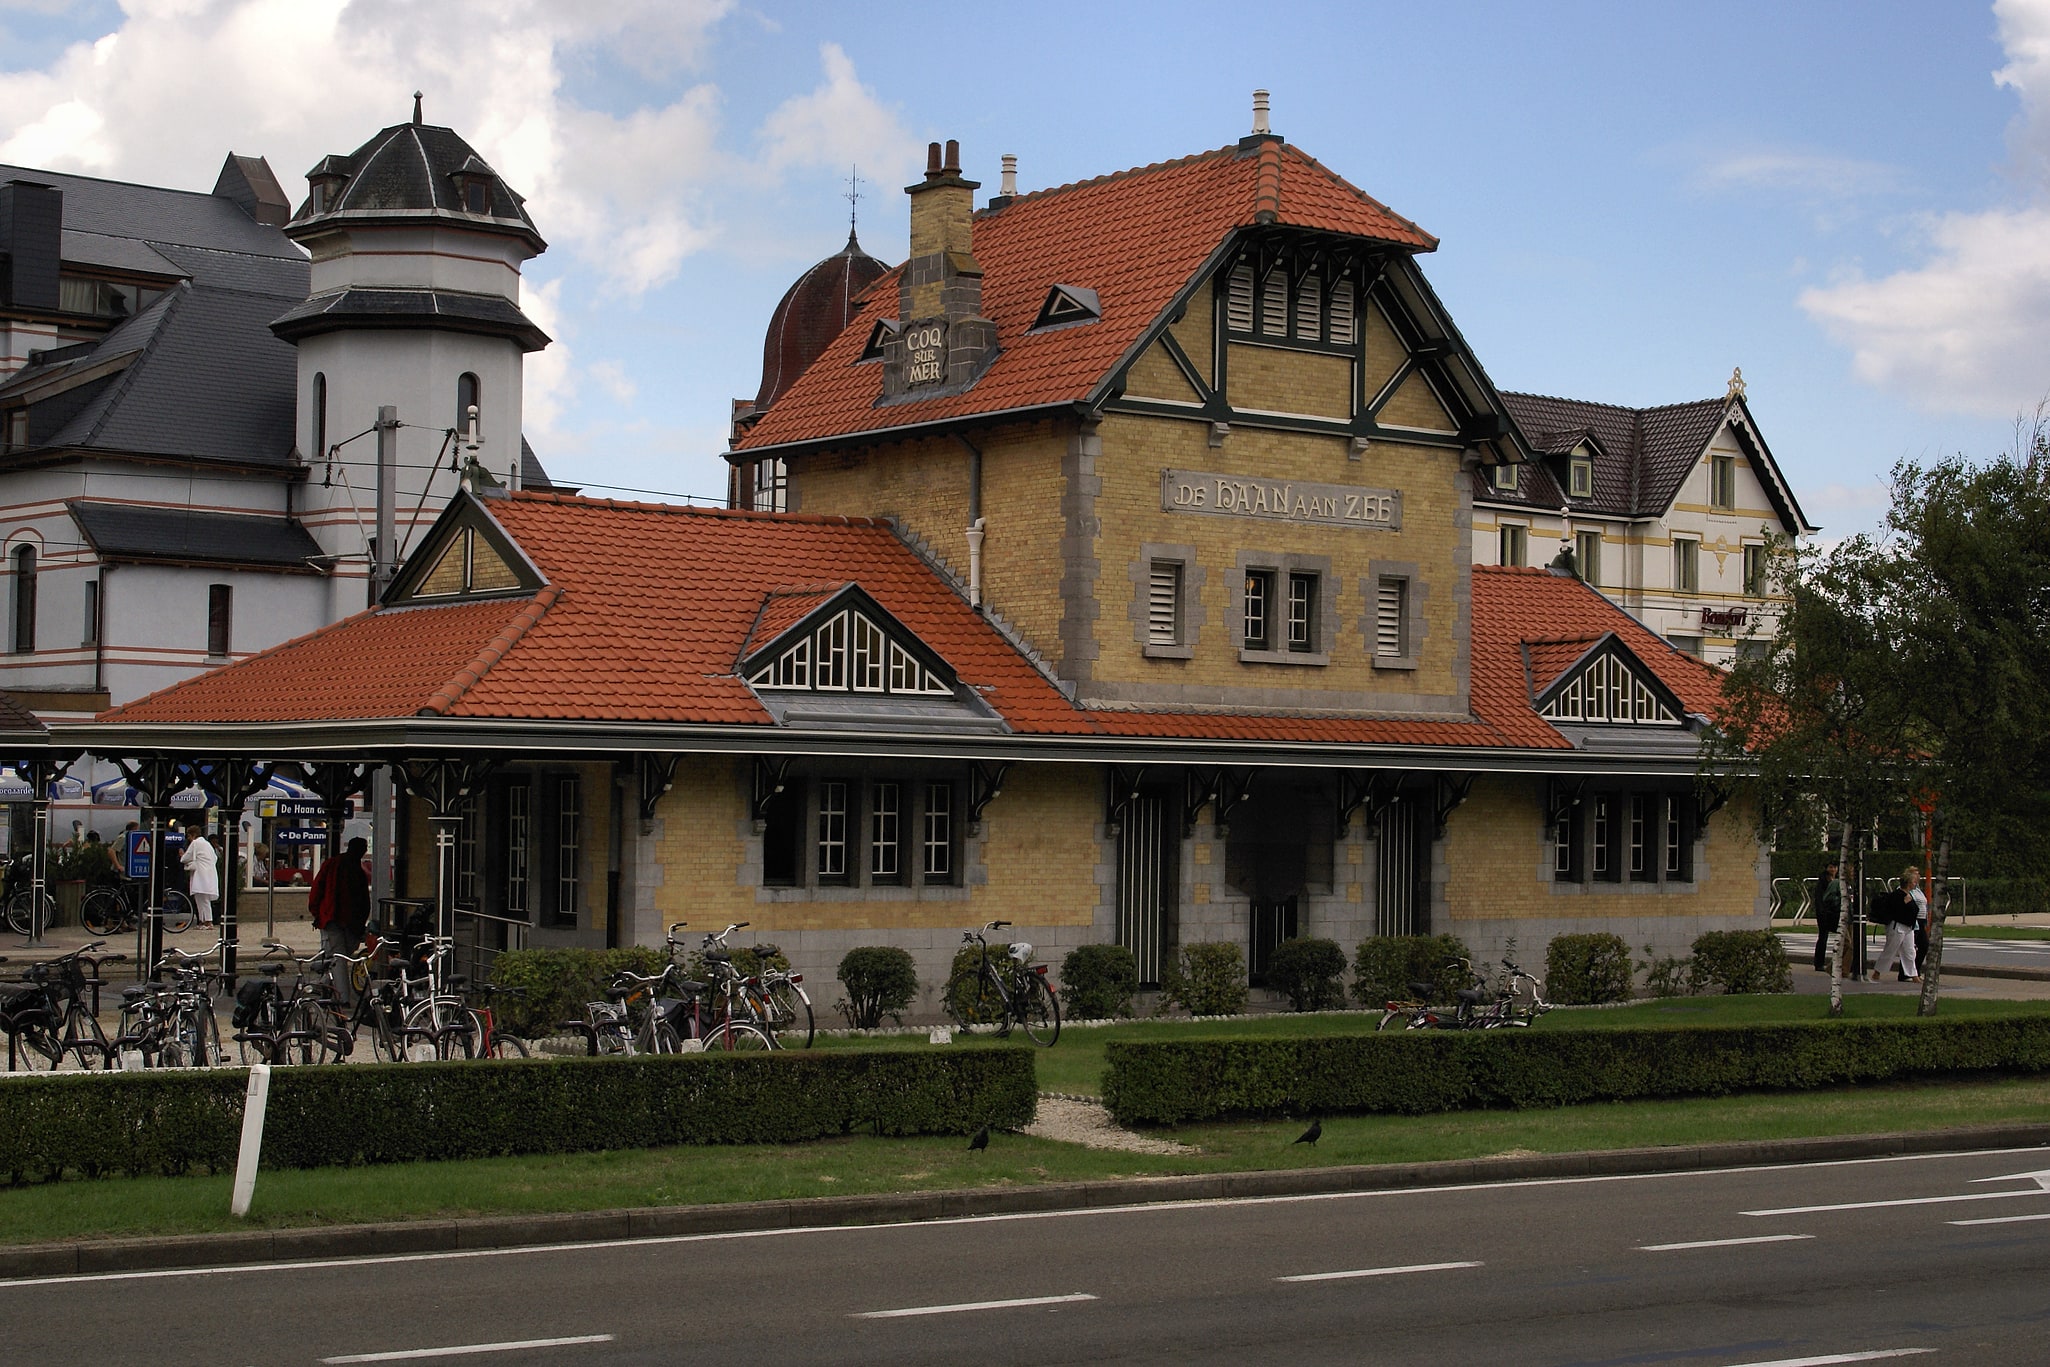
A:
[319,451]
[467,398]
[24,599]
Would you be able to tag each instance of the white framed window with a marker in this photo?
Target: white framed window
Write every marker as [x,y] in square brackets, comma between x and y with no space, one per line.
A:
[1391,617]
[1164,603]
[1580,476]
[1722,482]
[1686,565]
[1302,613]
[871,652]
[1259,610]
[829,653]
[849,650]
[1754,570]
[1608,690]
[1604,843]
[518,848]
[1641,835]
[832,838]
[939,831]
[569,846]
[1513,541]
[886,832]
[1587,549]
[1506,477]
[771,486]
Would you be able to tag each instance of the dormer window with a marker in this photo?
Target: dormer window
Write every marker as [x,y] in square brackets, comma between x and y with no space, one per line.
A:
[473,186]
[1505,477]
[1580,473]
[1609,686]
[878,337]
[841,643]
[322,192]
[476,197]
[1068,304]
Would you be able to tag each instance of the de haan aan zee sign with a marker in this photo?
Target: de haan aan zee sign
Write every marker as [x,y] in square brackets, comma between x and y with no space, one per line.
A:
[1330,505]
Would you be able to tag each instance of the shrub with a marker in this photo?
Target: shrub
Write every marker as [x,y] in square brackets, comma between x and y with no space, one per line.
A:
[1667,975]
[559,981]
[142,1123]
[1097,982]
[1421,1072]
[1308,972]
[881,980]
[1207,978]
[1386,965]
[1581,970]
[1741,961]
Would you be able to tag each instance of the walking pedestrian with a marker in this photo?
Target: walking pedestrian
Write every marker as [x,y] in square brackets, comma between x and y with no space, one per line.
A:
[340,899]
[1829,913]
[202,883]
[1897,910]
[1911,884]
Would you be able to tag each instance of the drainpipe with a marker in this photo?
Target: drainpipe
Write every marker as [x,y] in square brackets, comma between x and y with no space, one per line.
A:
[975,521]
[100,631]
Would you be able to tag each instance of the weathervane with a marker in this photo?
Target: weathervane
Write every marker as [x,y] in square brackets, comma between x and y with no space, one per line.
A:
[852,196]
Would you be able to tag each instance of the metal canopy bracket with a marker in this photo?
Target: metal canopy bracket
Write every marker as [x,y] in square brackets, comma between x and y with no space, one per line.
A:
[1707,804]
[1564,795]
[985,785]
[770,777]
[656,774]
[1123,790]
[1452,791]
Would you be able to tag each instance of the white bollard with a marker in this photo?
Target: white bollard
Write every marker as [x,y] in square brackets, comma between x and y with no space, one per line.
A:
[252,1139]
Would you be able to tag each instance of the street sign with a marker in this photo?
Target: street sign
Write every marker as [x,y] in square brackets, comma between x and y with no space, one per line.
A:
[298,835]
[299,808]
[135,854]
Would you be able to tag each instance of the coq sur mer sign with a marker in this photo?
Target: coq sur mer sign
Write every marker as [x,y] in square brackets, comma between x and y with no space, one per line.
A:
[1280,500]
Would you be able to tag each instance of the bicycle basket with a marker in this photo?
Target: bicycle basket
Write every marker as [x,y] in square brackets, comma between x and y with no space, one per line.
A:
[1022,952]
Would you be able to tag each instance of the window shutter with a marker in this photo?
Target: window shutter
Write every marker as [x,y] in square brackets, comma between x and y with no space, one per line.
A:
[1163,604]
[1342,314]
[1274,305]
[1392,618]
[1238,301]
[1309,308]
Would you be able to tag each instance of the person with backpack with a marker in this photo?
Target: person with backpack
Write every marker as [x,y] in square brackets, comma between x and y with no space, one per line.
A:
[1897,909]
[339,900]
[1829,913]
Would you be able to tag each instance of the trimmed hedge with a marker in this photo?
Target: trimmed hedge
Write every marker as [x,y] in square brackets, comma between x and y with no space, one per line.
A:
[1207,978]
[1585,970]
[1740,962]
[559,981]
[1098,982]
[141,1123]
[1418,1073]
[1308,972]
[881,980]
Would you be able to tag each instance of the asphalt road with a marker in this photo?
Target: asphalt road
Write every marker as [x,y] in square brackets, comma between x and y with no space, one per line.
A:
[1939,1257]
[1957,950]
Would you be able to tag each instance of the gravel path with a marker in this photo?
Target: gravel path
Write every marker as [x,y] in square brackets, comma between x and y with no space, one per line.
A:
[1088,1124]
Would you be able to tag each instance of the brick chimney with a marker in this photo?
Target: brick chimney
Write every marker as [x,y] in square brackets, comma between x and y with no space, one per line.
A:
[943,341]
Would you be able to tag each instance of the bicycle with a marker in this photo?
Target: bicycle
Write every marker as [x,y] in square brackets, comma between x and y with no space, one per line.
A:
[112,910]
[275,1026]
[497,1043]
[174,1025]
[32,1042]
[376,1005]
[772,1000]
[60,985]
[1004,991]
[439,1016]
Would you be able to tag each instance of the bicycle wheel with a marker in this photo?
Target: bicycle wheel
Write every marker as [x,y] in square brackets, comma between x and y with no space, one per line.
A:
[85,1041]
[33,1049]
[972,998]
[177,911]
[792,1015]
[1039,1012]
[18,911]
[303,1038]
[103,912]
[739,1037]
[506,1046]
[658,1036]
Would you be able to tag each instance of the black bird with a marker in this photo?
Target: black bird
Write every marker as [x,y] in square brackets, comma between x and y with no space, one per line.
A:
[1311,1135]
[980,1140]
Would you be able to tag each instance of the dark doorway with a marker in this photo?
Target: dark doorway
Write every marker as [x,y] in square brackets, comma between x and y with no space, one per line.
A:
[1147,850]
[1279,847]
[1402,868]
[1274,920]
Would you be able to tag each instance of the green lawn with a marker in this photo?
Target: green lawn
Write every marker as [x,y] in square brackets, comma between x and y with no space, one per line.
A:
[1075,1065]
[573,1182]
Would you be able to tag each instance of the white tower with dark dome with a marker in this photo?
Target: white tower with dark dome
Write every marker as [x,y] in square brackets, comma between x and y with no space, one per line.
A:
[416,247]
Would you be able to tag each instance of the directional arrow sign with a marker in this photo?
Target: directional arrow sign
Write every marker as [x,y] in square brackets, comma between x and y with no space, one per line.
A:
[2041,1179]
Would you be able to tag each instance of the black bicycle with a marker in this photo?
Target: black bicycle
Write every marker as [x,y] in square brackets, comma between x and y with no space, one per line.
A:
[56,1014]
[1003,990]
[111,910]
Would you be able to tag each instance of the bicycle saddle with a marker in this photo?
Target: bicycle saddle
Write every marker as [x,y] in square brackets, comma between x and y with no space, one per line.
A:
[1422,991]
[1472,996]
[718,956]
[270,970]
[136,992]
[695,989]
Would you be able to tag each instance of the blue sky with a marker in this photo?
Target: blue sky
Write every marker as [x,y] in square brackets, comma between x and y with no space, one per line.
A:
[1631,198]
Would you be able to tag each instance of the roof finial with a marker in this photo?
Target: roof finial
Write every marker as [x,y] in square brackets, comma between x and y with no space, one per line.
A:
[416,109]
[852,196]
[1736,390]
[1260,125]
[1010,181]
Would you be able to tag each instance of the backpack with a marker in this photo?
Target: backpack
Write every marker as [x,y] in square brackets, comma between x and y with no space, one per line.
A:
[249,999]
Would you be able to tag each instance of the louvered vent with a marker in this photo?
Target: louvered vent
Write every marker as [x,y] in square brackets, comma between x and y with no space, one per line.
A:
[1309,301]
[1342,333]
[1164,603]
[1391,618]
[1238,300]
[1274,305]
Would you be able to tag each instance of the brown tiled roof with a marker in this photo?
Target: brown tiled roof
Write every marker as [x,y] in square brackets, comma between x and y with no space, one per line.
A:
[1642,454]
[1136,238]
[648,607]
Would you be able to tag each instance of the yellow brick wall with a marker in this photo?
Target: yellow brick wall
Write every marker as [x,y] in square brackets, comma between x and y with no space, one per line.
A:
[698,845]
[923,483]
[1414,405]
[1156,376]
[1042,849]
[1276,380]
[1195,332]
[1385,352]
[1496,841]
[1135,451]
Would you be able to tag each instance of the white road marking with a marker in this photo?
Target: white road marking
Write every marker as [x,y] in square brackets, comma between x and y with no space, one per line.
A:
[1722,1243]
[408,1354]
[1902,1201]
[1169,1207]
[2001,1220]
[2040,1178]
[1839,1357]
[910,1311]
[1374,1272]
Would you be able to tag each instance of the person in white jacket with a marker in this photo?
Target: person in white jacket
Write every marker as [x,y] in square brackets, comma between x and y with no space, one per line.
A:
[202,883]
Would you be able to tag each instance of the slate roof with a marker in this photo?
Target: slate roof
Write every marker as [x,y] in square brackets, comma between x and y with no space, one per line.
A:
[1642,455]
[410,170]
[105,218]
[648,607]
[811,314]
[124,531]
[492,315]
[1136,238]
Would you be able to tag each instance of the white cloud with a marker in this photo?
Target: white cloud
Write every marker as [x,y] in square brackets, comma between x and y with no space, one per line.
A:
[611,377]
[840,123]
[1968,330]
[1813,174]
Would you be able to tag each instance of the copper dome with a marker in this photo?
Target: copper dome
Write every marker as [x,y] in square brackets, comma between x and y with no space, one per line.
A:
[812,313]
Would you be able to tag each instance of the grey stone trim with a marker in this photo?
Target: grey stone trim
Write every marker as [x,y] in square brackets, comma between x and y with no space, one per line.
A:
[1080,571]
[1415,629]
[1192,614]
[1462,592]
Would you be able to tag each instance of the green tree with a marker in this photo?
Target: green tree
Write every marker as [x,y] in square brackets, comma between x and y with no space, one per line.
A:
[1914,665]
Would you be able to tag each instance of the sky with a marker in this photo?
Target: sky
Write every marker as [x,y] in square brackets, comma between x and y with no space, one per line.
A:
[1849,200]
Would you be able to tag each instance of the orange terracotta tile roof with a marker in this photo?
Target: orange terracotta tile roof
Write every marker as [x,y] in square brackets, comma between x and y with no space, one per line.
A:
[648,607]
[1548,658]
[1135,237]
[783,609]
